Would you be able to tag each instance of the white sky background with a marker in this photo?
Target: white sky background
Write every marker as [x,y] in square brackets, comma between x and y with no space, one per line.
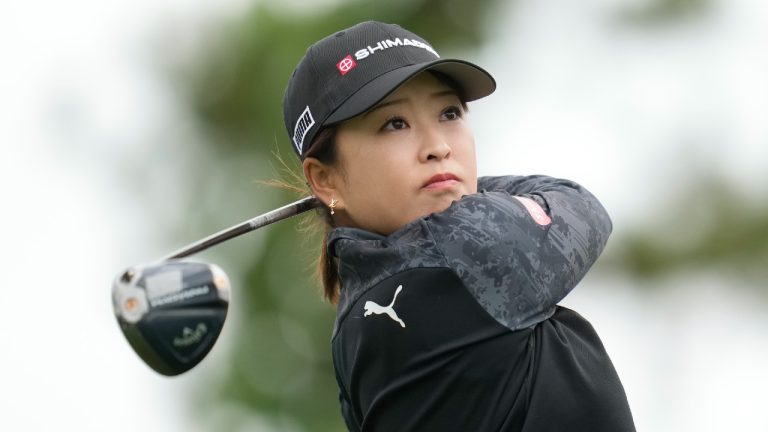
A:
[621,111]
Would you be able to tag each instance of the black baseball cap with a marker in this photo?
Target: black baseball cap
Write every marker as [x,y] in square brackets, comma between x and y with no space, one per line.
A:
[347,73]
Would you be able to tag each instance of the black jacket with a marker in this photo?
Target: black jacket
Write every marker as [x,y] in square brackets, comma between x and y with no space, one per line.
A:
[452,324]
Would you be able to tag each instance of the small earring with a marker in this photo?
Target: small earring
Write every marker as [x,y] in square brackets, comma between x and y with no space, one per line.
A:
[333,206]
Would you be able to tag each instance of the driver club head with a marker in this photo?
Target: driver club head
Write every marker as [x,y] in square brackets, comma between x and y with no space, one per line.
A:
[171,312]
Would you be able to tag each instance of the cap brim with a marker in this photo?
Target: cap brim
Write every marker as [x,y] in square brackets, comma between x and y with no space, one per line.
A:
[474,81]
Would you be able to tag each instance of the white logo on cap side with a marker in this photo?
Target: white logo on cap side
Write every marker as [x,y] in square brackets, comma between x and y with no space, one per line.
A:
[303,125]
[389,43]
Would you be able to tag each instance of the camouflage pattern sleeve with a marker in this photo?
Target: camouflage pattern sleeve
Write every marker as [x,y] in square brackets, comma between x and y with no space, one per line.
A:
[516,266]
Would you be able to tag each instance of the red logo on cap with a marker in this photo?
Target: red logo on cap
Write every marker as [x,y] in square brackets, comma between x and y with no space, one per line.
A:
[346,64]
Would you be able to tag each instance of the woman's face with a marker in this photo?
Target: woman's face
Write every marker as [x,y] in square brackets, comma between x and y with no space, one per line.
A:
[409,156]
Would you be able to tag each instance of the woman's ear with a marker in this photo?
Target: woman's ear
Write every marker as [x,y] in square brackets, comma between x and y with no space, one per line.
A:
[322,179]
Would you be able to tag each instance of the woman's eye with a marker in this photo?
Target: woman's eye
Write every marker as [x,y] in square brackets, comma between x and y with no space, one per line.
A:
[395,123]
[451,113]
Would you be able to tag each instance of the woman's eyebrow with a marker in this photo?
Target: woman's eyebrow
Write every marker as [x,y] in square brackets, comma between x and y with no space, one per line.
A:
[443,93]
[385,104]
[435,95]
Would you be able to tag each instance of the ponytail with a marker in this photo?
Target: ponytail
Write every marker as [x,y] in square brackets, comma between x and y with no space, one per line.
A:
[327,269]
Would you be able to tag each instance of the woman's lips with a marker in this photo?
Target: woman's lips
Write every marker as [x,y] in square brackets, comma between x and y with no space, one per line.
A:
[441,181]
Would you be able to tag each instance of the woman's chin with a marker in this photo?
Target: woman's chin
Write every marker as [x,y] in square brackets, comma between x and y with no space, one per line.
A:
[441,204]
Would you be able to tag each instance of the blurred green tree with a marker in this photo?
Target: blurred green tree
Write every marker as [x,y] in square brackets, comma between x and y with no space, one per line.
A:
[660,12]
[280,370]
[710,225]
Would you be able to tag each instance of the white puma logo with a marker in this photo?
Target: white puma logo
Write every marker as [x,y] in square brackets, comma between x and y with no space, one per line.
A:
[374,308]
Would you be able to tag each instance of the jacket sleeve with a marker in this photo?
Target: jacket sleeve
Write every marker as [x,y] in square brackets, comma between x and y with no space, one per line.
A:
[517,259]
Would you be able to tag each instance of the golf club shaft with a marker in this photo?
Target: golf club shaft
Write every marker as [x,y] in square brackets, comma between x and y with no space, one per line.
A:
[257,222]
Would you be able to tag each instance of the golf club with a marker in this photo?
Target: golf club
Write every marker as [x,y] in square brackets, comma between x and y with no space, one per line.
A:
[171,312]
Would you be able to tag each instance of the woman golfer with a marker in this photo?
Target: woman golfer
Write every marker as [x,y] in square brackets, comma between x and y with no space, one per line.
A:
[446,284]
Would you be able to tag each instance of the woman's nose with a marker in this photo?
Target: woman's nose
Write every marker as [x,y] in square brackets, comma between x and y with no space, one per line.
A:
[434,145]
